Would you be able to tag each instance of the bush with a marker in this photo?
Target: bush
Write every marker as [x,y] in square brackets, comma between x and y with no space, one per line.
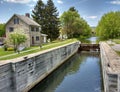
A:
[83,39]
[10,49]
[5,47]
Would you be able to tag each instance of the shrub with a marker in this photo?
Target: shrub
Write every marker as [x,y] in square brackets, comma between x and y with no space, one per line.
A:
[5,47]
[10,49]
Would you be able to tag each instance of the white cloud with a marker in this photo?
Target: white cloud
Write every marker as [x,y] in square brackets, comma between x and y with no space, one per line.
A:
[31,5]
[91,17]
[79,2]
[60,1]
[31,10]
[116,2]
[34,0]
[24,1]
[20,1]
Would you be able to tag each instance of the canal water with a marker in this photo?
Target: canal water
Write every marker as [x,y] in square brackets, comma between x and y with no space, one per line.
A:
[81,73]
[93,39]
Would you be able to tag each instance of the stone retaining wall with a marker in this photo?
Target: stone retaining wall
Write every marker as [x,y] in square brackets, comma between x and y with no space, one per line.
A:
[21,74]
[110,68]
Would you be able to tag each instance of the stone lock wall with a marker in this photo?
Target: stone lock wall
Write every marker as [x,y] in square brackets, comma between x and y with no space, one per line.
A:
[22,74]
[110,71]
[6,78]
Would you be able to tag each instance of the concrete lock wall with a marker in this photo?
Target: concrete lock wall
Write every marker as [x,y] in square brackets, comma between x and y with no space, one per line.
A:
[21,74]
[111,79]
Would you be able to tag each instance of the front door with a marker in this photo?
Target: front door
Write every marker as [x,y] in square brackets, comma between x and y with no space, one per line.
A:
[32,40]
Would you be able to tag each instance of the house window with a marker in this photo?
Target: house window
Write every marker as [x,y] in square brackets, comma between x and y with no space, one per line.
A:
[37,29]
[16,20]
[37,38]
[11,29]
[32,28]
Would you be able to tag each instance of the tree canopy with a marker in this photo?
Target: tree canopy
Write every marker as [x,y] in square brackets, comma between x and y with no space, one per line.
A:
[72,9]
[38,14]
[109,26]
[73,25]
[2,30]
[47,16]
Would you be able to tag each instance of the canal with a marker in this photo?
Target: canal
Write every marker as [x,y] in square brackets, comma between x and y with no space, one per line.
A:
[81,73]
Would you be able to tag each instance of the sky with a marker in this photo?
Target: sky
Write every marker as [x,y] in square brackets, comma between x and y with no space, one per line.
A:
[90,10]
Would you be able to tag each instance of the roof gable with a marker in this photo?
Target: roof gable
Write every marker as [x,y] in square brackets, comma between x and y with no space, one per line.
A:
[25,19]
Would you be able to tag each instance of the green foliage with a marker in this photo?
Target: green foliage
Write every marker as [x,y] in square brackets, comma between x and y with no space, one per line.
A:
[3,52]
[73,25]
[47,17]
[83,39]
[17,39]
[72,9]
[5,47]
[52,28]
[10,49]
[117,41]
[118,52]
[2,30]
[38,13]
[109,26]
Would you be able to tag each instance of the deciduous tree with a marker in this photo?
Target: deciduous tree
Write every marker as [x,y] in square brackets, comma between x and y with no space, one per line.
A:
[17,39]
[73,25]
[2,30]
[109,26]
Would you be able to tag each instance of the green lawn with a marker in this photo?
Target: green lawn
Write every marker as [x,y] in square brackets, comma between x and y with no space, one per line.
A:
[34,49]
[117,41]
[2,52]
[118,52]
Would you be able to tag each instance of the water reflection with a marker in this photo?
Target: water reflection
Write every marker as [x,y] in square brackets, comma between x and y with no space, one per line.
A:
[93,40]
[81,73]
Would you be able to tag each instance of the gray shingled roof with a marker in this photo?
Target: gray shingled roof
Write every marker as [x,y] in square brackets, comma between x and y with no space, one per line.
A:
[27,20]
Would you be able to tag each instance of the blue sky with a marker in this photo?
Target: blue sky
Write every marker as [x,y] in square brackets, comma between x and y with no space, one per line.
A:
[90,10]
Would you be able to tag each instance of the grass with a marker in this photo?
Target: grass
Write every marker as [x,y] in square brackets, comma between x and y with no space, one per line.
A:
[34,49]
[2,52]
[118,52]
[117,41]
[111,44]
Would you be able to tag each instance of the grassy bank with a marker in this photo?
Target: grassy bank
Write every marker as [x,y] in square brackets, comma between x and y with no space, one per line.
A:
[5,55]
[118,52]
[117,41]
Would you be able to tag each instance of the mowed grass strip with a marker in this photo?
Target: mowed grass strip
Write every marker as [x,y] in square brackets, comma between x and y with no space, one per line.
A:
[32,50]
[117,41]
[2,52]
[118,52]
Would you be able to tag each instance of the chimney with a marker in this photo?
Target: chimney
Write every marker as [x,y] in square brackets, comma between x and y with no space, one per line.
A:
[27,15]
